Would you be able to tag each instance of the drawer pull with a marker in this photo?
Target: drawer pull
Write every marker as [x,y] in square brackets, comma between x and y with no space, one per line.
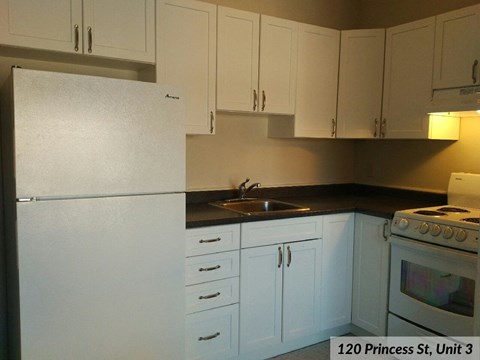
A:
[209,337]
[210,268]
[211,296]
[202,241]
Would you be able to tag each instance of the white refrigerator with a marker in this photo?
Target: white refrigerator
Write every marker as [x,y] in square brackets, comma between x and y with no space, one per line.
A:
[94,187]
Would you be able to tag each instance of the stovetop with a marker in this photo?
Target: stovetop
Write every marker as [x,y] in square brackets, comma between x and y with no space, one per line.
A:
[448,225]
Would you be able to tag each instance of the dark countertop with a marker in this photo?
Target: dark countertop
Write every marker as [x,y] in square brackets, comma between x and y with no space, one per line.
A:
[380,202]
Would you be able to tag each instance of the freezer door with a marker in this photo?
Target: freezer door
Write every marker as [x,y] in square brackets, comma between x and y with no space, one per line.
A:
[102,278]
[81,135]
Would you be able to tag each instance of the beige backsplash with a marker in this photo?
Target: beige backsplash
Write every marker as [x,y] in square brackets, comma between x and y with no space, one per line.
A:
[418,164]
[242,149]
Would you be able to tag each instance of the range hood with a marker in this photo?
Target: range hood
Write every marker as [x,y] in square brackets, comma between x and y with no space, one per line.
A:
[457,102]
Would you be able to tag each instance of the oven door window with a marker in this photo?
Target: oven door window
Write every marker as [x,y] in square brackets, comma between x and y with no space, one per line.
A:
[445,291]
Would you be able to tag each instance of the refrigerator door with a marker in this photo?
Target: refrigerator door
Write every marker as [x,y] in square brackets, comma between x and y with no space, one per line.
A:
[102,278]
[81,136]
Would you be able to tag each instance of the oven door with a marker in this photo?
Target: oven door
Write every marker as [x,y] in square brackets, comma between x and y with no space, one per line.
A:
[433,286]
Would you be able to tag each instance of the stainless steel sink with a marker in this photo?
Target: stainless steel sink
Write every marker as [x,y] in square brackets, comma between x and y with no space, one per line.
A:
[252,206]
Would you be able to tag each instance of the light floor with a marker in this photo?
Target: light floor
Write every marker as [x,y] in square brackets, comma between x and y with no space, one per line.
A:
[320,351]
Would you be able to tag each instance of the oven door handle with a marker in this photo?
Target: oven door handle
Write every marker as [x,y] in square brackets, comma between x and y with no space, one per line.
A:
[431,249]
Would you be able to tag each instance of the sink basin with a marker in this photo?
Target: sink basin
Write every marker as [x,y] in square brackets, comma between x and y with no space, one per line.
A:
[251,206]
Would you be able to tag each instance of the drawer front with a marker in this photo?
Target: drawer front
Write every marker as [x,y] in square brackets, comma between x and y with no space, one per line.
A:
[200,269]
[270,232]
[212,334]
[212,239]
[210,295]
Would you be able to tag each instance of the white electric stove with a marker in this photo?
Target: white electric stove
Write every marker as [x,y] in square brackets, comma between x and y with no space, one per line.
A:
[455,225]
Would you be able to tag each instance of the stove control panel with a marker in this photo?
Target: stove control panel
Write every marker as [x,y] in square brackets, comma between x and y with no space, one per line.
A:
[453,236]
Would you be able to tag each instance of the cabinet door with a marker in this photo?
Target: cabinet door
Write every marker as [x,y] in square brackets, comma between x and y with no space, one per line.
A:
[317,78]
[301,293]
[337,263]
[237,59]
[370,275]
[408,79]
[123,29]
[186,48]
[48,25]
[260,297]
[278,65]
[360,83]
[457,50]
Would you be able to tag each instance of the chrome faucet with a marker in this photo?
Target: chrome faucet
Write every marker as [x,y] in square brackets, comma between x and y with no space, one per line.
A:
[243,190]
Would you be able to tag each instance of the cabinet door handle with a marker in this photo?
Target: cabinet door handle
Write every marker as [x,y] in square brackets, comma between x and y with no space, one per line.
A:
[474,71]
[385,229]
[264,100]
[209,268]
[202,241]
[383,127]
[376,127]
[280,257]
[212,120]
[211,296]
[90,39]
[209,337]
[289,261]
[334,127]
[77,37]
[255,99]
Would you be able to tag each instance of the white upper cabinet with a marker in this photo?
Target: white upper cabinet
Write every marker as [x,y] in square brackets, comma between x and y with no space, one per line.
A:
[408,85]
[237,59]
[257,59]
[122,29]
[50,25]
[278,65]
[186,49]
[457,49]
[360,83]
[317,78]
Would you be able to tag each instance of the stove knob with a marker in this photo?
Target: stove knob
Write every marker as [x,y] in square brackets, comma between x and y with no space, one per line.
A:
[448,232]
[424,227]
[436,230]
[403,224]
[461,235]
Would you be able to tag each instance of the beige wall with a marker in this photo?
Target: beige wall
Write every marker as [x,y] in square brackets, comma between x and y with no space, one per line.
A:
[386,13]
[418,164]
[242,149]
[337,14]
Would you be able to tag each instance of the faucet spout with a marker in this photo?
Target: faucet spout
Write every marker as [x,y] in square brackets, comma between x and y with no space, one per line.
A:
[257,184]
[243,190]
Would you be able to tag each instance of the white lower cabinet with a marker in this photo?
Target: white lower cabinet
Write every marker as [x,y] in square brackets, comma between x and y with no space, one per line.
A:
[289,286]
[212,292]
[280,283]
[279,293]
[370,276]
[212,334]
[337,263]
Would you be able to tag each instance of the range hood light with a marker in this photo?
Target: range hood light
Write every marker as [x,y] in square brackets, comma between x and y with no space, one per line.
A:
[458,102]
